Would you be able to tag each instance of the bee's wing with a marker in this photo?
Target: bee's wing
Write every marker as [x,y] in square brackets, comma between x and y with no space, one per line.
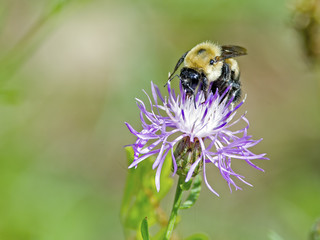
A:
[230,51]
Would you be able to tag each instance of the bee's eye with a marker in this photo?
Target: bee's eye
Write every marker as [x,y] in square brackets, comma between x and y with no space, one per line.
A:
[211,61]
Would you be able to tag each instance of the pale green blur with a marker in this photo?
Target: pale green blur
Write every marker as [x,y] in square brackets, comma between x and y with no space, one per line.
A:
[69,75]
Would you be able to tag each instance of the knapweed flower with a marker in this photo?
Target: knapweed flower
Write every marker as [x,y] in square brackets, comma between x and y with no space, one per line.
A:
[195,128]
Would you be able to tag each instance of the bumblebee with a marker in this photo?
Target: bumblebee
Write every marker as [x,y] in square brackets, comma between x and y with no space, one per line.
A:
[209,65]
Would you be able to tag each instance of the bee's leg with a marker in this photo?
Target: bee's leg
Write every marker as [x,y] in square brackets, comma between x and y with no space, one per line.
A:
[233,81]
[226,73]
[205,85]
[194,101]
[186,86]
[235,87]
[191,92]
[235,98]
[236,91]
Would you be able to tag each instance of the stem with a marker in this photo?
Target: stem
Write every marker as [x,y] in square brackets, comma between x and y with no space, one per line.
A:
[175,208]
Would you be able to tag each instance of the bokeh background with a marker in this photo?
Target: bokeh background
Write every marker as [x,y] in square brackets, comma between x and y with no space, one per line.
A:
[69,75]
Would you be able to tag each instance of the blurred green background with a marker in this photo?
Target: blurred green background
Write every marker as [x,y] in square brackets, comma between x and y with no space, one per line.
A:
[69,73]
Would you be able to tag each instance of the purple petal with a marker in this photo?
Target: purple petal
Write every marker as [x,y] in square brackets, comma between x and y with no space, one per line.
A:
[131,129]
[158,173]
[174,162]
[225,92]
[135,162]
[206,181]
[191,170]
[159,158]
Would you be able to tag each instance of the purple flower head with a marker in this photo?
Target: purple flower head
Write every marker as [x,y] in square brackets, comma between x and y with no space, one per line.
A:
[200,120]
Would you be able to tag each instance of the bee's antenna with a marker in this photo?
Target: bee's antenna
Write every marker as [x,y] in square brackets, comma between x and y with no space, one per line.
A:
[180,61]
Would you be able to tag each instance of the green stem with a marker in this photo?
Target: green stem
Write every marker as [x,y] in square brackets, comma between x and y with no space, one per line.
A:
[175,208]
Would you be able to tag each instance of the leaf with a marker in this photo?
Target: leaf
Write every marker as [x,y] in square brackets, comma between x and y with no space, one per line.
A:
[194,193]
[186,185]
[141,198]
[198,236]
[144,229]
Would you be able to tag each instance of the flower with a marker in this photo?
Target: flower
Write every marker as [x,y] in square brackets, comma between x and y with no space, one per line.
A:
[195,119]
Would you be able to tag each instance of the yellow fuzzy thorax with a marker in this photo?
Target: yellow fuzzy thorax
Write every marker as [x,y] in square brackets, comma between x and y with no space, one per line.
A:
[199,57]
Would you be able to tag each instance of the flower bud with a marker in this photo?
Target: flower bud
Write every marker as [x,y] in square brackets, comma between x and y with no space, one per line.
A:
[186,154]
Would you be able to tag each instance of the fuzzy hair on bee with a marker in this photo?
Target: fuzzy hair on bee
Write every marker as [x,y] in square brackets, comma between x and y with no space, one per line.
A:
[209,65]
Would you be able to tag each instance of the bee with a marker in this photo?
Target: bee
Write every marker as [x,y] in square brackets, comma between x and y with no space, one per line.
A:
[211,65]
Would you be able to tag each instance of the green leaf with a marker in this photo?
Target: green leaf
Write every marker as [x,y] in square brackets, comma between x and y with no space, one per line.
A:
[186,185]
[141,198]
[194,193]
[144,229]
[198,236]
